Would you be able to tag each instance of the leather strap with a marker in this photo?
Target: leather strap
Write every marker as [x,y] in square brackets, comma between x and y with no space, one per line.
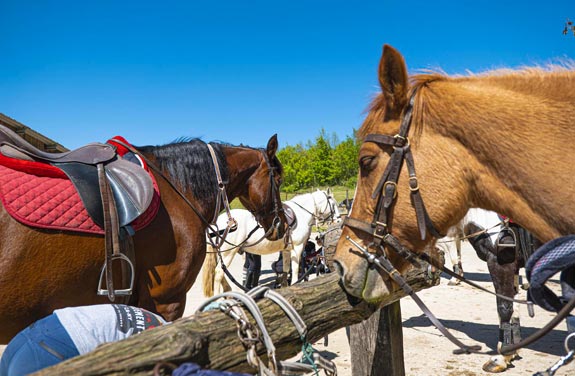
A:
[111,228]
[385,265]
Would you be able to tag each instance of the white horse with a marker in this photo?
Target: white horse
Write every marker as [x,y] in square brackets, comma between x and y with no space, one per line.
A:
[309,209]
[484,218]
[505,277]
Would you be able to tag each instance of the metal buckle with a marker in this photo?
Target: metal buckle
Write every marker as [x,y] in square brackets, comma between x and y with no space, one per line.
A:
[391,183]
[384,225]
[400,137]
[416,188]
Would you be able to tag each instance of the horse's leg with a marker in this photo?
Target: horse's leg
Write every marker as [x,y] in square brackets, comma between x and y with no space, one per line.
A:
[295,257]
[286,257]
[504,277]
[457,266]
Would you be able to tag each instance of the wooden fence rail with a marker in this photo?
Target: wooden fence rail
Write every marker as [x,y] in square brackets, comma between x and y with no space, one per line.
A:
[211,340]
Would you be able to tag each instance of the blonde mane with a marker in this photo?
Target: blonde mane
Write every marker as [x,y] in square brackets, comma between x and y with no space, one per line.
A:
[437,92]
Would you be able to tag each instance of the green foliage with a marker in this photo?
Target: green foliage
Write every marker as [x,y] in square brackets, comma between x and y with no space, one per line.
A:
[323,162]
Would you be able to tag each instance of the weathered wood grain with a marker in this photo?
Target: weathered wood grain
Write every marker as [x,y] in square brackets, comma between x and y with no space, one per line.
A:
[210,338]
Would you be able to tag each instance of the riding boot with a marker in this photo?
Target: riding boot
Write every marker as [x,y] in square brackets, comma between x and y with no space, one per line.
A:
[255,278]
[249,283]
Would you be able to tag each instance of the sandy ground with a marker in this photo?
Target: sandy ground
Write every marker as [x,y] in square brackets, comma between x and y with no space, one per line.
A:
[468,313]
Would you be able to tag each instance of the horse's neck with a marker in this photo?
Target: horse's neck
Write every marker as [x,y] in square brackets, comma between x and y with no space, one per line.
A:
[242,162]
[171,195]
[305,209]
[521,145]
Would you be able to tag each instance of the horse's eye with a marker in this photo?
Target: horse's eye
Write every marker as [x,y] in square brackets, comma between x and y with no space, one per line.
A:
[366,163]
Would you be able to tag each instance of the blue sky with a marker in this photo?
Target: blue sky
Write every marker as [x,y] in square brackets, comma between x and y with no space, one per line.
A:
[240,71]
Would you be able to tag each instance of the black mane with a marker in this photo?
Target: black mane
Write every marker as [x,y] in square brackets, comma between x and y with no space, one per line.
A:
[189,164]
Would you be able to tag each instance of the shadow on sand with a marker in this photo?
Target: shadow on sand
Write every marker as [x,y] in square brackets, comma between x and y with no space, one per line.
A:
[487,335]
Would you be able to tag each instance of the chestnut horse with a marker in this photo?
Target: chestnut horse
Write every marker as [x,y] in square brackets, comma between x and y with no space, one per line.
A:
[44,270]
[501,141]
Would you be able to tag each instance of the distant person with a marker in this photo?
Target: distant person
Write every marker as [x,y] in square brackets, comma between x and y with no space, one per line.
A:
[252,269]
[70,332]
[278,268]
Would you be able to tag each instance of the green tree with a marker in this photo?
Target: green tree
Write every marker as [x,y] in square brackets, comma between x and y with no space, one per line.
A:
[345,160]
[297,174]
[322,162]
[320,158]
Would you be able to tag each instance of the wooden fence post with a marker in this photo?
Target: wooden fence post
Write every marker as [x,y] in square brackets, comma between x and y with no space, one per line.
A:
[377,344]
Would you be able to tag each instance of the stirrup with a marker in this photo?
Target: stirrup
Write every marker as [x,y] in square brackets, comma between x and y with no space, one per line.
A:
[504,232]
[121,292]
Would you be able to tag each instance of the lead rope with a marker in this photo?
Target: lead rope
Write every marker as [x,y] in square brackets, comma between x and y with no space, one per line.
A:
[564,360]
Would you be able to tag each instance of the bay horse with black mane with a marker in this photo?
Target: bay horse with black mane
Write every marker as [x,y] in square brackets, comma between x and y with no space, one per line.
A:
[501,141]
[43,270]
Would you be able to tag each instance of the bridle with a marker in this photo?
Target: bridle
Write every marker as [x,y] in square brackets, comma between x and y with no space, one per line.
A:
[380,227]
[273,193]
[222,199]
[380,231]
[316,215]
[386,190]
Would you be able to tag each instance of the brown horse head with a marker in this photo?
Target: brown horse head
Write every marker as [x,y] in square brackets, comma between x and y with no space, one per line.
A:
[479,141]
[260,192]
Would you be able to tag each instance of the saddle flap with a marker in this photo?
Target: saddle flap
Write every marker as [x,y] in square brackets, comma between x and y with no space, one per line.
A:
[133,189]
[552,257]
[131,185]
[291,219]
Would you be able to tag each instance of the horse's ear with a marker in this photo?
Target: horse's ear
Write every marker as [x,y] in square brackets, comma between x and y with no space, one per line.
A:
[393,80]
[272,146]
[329,191]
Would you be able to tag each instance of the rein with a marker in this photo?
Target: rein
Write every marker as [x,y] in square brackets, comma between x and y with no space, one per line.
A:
[157,170]
[221,199]
[316,216]
[385,265]
[167,180]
